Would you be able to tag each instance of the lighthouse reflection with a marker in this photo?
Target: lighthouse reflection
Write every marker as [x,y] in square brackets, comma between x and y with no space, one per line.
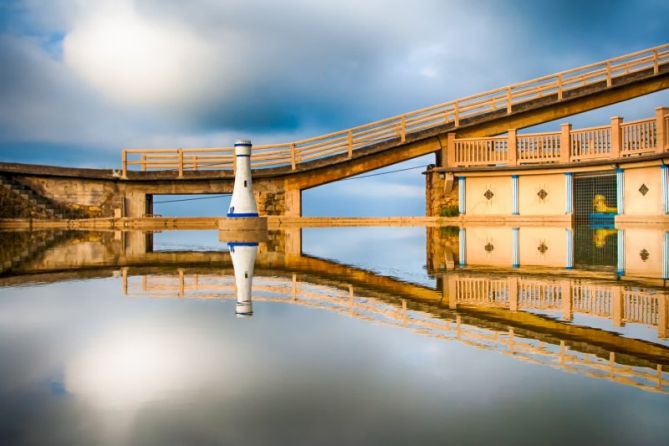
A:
[243,256]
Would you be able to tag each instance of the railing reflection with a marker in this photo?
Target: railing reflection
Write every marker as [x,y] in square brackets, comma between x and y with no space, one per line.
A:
[512,294]
[619,303]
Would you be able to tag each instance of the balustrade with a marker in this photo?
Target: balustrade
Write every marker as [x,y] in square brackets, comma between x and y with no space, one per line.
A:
[619,139]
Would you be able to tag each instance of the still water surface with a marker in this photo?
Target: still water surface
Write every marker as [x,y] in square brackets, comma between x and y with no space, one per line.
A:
[357,336]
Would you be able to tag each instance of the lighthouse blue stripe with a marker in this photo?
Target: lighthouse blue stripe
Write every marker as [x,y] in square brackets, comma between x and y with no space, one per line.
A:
[242,214]
[235,244]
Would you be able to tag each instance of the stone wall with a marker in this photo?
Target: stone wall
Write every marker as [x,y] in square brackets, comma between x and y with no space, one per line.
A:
[12,206]
[87,198]
[441,194]
[271,203]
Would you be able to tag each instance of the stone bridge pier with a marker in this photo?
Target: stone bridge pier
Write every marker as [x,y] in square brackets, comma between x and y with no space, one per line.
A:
[273,196]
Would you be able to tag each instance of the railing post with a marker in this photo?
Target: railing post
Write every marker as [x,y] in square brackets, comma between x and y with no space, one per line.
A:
[656,64]
[617,307]
[182,283]
[616,136]
[124,279]
[143,163]
[456,115]
[293,162]
[513,293]
[508,101]
[662,128]
[608,74]
[567,308]
[403,129]
[124,164]
[180,166]
[565,143]
[350,144]
[450,151]
[513,147]
[559,92]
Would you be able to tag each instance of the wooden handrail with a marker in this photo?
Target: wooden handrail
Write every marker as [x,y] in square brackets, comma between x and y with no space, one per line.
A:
[401,126]
[635,138]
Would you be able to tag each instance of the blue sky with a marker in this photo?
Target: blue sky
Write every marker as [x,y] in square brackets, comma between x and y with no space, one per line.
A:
[82,79]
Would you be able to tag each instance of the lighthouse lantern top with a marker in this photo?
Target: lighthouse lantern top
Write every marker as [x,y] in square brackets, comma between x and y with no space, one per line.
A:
[243,147]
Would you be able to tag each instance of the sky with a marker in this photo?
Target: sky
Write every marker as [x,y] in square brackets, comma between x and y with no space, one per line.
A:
[82,79]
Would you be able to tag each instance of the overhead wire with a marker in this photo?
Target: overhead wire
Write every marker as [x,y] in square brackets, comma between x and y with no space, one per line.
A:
[210,197]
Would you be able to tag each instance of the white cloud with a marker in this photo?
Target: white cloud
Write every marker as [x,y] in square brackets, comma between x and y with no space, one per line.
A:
[138,61]
[171,73]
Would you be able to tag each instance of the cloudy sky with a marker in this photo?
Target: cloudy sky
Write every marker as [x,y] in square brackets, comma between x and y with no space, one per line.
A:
[81,79]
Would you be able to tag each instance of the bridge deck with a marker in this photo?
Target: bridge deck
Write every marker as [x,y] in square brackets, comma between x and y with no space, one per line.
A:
[622,77]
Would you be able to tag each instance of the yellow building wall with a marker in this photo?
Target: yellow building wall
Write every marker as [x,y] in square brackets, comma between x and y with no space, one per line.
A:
[478,204]
[637,203]
[643,252]
[543,246]
[489,246]
[529,201]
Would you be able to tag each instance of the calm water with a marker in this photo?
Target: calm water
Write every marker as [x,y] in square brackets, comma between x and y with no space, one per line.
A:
[357,336]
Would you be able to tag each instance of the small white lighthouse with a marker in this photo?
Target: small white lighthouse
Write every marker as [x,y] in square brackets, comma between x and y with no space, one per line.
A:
[243,203]
[243,259]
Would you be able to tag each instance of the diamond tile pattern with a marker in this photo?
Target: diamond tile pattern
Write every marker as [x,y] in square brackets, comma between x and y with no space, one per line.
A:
[643,189]
[644,254]
[488,194]
[542,194]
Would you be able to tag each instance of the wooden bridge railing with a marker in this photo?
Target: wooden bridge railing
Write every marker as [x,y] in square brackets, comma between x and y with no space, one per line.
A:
[617,140]
[345,142]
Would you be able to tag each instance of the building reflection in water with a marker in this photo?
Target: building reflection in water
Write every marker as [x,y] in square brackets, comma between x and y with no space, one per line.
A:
[514,293]
[632,253]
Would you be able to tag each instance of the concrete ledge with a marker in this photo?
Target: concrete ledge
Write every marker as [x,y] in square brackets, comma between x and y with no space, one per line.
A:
[243,224]
[280,221]
[519,219]
[242,230]
[642,220]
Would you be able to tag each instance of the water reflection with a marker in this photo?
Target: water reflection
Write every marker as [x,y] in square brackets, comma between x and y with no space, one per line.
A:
[498,314]
[634,253]
[520,294]
[243,259]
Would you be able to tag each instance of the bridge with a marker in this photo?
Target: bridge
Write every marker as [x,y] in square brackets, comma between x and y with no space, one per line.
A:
[522,316]
[282,171]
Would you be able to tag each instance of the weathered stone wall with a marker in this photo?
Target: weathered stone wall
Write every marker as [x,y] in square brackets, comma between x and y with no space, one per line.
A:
[271,203]
[89,198]
[441,194]
[12,206]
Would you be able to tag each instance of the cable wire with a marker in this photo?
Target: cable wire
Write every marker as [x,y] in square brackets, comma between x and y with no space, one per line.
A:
[344,179]
[193,199]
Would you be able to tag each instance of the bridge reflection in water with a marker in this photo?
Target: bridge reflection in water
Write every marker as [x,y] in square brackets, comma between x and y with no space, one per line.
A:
[571,352]
[546,316]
